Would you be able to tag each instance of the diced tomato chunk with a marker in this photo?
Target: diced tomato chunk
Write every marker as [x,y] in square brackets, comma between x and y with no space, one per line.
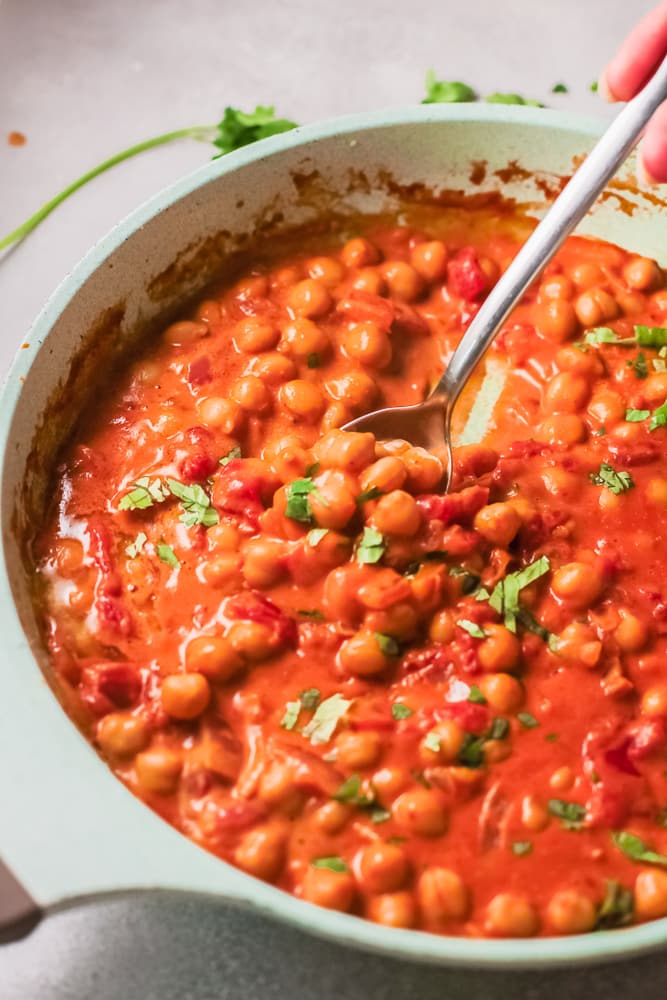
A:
[254,607]
[238,490]
[453,507]
[360,306]
[199,370]
[107,686]
[465,276]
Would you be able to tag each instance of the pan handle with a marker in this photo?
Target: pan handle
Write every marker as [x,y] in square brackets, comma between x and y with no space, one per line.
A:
[19,913]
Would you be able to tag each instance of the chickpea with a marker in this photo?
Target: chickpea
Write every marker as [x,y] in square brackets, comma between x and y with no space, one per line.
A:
[496,751]
[223,414]
[213,656]
[381,867]
[631,634]
[357,751]
[503,692]
[386,474]
[397,513]
[556,320]
[396,909]
[509,915]
[654,700]
[654,388]
[556,286]
[224,571]
[562,779]
[81,599]
[309,298]
[346,450]
[251,394]
[185,696]
[303,400]
[389,781]
[333,502]
[404,281]
[332,816]
[658,302]
[356,389]
[262,562]
[158,770]
[272,368]
[586,275]
[442,627]
[368,344]
[223,537]
[656,492]
[327,270]
[631,303]
[333,890]
[563,429]
[578,584]
[567,393]
[642,274]
[68,556]
[255,334]
[563,484]
[571,359]
[290,462]
[252,640]
[122,735]
[442,896]
[651,894]
[370,280]
[361,656]
[579,642]
[421,812]
[498,523]
[430,260]
[277,789]
[261,852]
[500,651]
[184,333]
[607,407]
[571,912]
[596,306]
[534,815]
[254,286]
[302,338]
[423,468]
[359,252]
[401,621]
[449,735]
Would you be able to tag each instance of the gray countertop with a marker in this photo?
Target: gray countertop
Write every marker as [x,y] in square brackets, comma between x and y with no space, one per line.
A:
[85,78]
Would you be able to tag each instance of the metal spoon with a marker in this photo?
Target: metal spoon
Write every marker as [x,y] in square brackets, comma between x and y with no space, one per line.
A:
[429,423]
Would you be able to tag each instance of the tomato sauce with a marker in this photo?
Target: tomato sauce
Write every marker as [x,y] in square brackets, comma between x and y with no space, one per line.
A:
[439,712]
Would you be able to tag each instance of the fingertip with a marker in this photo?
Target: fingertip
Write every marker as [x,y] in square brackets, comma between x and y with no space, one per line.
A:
[645,178]
[604,90]
[652,158]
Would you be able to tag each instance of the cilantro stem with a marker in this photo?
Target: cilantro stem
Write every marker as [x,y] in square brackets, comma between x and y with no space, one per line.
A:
[202,133]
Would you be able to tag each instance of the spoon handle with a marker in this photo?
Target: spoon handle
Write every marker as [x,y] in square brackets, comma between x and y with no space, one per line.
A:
[569,208]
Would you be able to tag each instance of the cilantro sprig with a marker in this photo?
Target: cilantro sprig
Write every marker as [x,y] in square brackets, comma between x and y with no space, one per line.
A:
[505,595]
[236,129]
[196,504]
[617,482]
[298,505]
[371,546]
[635,849]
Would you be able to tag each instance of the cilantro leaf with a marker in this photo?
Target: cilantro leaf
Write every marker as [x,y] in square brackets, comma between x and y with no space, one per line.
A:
[527,720]
[639,366]
[327,715]
[475,695]
[617,482]
[240,128]
[298,505]
[635,849]
[146,492]
[472,628]
[196,504]
[380,815]
[500,98]
[471,753]
[432,742]
[400,711]
[505,596]
[371,546]
[333,864]
[560,88]
[370,494]
[617,908]
[310,699]
[314,613]
[135,547]
[315,536]
[522,847]
[636,416]
[651,336]
[571,814]
[498,730]
[387,644]
[290,718]
[231,455]
[446,91]
[659,418]
[166,554]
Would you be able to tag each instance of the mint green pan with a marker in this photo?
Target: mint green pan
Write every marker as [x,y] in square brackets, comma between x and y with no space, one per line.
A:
[69,830]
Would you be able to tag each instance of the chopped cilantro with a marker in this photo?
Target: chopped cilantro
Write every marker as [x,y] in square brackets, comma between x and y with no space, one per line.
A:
[571,814]
[639,365]
[314,613]
[310,699]
[499,729]
[290,718]
[135,547]
[635,848]
[659,418]
[594,87]
[476,696]
[166,554]
[446,91]
[333,864]
[471,753]
[659,365]
[240,128]
[617,907]
[617,482]
[432,742]
[387,644]
[400,711]
[651,336]
[313,469]
[315,536]
[472,628]
[527,720]
[522,847]
[636,416]
[323,724]
[231,455]
[370,494]
[560,88]
[380,815]
[552,737]
[313,360]
[371,546]
[350,790]
[146,492]
[196,504]
[601,431]
[505,596]
[298,505]
[500,98]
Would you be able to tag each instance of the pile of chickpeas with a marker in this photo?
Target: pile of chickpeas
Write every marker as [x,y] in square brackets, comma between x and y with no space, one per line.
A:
[272,368]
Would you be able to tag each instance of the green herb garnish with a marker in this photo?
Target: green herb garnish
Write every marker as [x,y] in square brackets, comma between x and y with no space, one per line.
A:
[313,360]
[135,547]
[560,88]
[166,554]
[323,724]
[400,711]
[387,644]
[617,482]
[527,720]
[333,864]
[371,546]
[446,91]
[315,536]
[432,742]
[146,492]
[291,716]
[639,366]
[298,505]
[522,847]
[571,814]
[313,613]
[635,848]
[310,699]
[196,504]
[370,494]
[617,908]
[651,336]
[231,455]
[636,416]
[505,596]
[659,418]
[500,98]
[472,628]
[499,730]
[475,695]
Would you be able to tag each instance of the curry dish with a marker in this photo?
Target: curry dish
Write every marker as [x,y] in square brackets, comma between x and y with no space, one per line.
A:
[444,712]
